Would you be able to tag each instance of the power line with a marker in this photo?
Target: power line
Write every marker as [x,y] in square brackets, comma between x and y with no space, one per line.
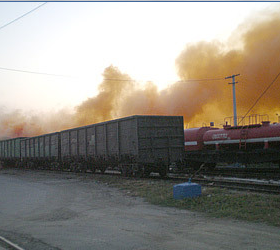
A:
[181,81]
[123,80]
[5,25]
[263,93]
[32,72]
[107,79]
[202,80]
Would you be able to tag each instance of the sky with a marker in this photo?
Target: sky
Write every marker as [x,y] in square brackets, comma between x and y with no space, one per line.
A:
[79,40]
[96,61]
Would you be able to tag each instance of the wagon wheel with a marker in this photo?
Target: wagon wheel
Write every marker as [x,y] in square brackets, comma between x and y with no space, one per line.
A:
[163,172]
[194,165]
[91,166]
[93,169]
[140,172]
[126,170]
[147,172]
[210,166]
[102,169]
[84,167]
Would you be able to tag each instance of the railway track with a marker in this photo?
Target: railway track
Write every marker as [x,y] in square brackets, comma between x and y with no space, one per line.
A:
[254,173]
[6,244]
[269,187]
[265,186]
[244,185]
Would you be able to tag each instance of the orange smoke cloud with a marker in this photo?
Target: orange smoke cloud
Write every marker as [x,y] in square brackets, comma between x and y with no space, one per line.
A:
[104,106]
[18,124]
[257,61]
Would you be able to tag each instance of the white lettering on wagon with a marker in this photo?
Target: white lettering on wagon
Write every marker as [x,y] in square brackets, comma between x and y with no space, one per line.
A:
[220,136]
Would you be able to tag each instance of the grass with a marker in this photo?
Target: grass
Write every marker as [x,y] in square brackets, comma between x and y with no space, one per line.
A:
[214,202]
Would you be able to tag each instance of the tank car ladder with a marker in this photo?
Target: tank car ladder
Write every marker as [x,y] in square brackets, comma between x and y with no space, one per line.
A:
[243,138]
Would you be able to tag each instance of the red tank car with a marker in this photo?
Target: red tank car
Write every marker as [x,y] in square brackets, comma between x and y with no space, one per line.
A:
[247,144]
[194,147]
[257,136]
[194,138]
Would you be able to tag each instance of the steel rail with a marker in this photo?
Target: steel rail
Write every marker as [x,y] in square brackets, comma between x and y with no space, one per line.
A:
[270,174]
[241,185]
[10,244]
[245,185]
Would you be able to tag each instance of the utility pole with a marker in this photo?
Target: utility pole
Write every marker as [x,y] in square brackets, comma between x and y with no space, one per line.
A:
[234,97]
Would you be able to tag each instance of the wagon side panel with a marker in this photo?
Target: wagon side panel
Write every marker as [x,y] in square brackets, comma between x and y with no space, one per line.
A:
[91,141]
[41,147]
[160,139]
[54,145]
[47,146]
[23,149]
[1,149]
[36,147]
[100,140]
[128,140]
[11,148]
[74,143]
[17,148]
[82,139]
[65,146]
[112,139]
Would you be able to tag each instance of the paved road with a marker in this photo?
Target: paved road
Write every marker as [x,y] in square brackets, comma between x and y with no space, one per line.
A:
[43,210]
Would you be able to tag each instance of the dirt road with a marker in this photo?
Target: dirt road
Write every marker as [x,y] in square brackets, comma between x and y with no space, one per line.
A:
[46,210]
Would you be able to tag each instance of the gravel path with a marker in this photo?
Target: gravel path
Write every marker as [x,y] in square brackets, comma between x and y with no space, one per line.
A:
[46,210]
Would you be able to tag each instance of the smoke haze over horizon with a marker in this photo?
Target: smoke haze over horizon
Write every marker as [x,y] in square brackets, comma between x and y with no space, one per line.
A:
[256,59]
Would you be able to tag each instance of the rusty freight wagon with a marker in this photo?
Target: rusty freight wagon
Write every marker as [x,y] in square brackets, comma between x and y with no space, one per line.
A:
[135,145]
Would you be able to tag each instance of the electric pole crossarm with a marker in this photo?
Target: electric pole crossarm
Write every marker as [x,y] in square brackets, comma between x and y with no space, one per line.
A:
[232,76]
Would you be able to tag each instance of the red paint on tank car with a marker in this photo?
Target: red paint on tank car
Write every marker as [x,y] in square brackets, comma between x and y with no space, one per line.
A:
[245,144]
[194,138]
[263,135]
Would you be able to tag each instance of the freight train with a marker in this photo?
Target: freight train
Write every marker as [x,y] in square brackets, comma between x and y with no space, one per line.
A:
[138,145]
[135,145]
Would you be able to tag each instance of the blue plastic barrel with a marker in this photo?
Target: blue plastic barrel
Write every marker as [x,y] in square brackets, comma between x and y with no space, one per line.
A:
[186,190]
